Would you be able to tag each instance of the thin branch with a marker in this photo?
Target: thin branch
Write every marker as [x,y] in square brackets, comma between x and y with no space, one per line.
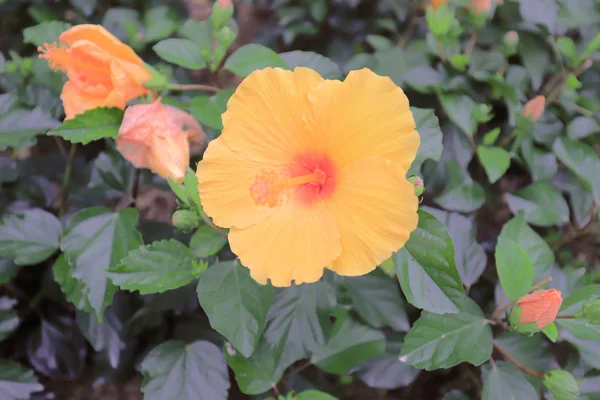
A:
[566,317]
[276,390]
[471,43]
[66,183]
[522,367]
[193,86]
[541,283]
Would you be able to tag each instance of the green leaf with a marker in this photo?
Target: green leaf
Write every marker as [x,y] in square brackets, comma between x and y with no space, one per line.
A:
[29,237]
[426,268]
[8,270]
[156,268]
[208,110]
[541,164]
[207,242]
[470,256]
[542,257]
[561,384]
[462,193]
[590,48]
[18,127]
[540,203]
[235,304]
[175,370]
[515,269]
[581,127]
[9,320]
[349,344]
[536,55]
[424,78]
[589,350]
[495,161]
[531,351]
[323,65]
[94,124]
[443,341]
[94,240]
[107,337]
[314,395]
[579,327]
[582,160]
[16,382]
[46,32]
[85,6]
[459,108]
[542,12]
[251,57]
[430,133]
[190,183]
[387,371]
[159,22]
[376,298]
[455,395]
[504,381]
[73,288]
[201,33]
[182,52]
[551,332]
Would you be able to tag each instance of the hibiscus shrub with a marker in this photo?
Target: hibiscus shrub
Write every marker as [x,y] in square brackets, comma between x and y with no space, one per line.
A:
[391,199]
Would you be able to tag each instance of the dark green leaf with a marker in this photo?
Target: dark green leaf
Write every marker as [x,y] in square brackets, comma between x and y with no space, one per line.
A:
[207,242]
[582,160]
[426,268]
[314,395]
[504,381]
[540,203]
[175,370]
[200,32]
[94,124]
[536,248]
[443,341]
[9,320]
[495,161]
[377,300]
[95,240]
[589,350]
[424,79]
[430,133]
[85,6]
[251,57]
[462,193]
[73,288]
[8,270]
[531,351]
[349,344]
[160,23]
[541,164]
[19,126]
[459,109]
[542,12]
[29,237]
[323,65]
[16,382]
[580,327]
[182,52]
[514,267]
[236,305]
[536,55]
[455,395]
[208,110]
[46,32]
[156,268]
[581,127]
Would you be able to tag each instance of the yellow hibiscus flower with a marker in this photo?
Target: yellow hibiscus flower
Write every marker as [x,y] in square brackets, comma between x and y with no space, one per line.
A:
[311,174]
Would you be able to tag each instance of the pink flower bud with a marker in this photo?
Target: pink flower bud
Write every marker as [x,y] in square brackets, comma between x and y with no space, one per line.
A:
[534,109]
[480,6]
[534,312]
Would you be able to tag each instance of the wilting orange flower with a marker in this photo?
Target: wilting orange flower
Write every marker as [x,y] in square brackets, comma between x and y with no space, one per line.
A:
[311,174]
[102,71]
[480,6]
[538,309]
[157,137]
[436,3]
[534,109]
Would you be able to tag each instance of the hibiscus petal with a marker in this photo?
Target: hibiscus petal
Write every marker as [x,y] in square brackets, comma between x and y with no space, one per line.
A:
[76,102]
[375,209]
[295,243]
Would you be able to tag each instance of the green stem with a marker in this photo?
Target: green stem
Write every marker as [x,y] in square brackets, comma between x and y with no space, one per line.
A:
[184,87]
[66,183]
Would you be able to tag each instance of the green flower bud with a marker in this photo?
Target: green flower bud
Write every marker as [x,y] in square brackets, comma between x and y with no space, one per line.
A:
[418,184]
[561,384]
[591,311]
[510,43]
[534,312]
[221,13]
[528,328]
[185,219]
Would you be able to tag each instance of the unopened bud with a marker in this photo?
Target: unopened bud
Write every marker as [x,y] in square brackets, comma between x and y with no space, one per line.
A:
[221,13]
[561,384]
[418,184]
[436,3]
[511,38]
[534,109]
[481,6]
[185,219]
[534,312]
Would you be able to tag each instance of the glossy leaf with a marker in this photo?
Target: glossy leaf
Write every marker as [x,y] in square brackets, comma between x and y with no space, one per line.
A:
[462,193]
[18,127]
[582,160]
[29,237]
[207,242]
[430,133]
[459,109]
[323,65]
[9,320]
[580,327]
[251,57]
[94,124]
[46,32]
[442,341]
[426,268]
[514,267]
[156,268]
[175,370]
[182,52]
[236,305]
[16,382]
[93,241]
[495,161]
[540,203]
[504,381]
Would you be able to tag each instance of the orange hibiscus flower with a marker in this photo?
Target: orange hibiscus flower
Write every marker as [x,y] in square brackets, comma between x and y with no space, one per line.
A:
[311,174]
[157,137]
[102,71]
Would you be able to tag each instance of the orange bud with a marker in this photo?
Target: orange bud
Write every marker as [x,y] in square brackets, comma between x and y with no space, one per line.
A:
[540,307]
[101,71]
[480,6]
[534,109]
[226,3]
[436,3]
[157,137]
